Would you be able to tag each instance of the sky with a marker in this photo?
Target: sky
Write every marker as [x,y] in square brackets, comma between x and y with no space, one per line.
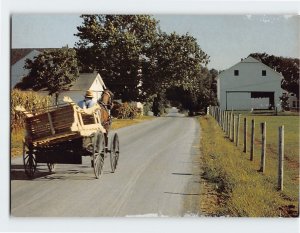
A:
[225,38]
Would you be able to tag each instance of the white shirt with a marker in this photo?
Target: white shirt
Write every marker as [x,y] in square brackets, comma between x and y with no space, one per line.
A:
[86,103]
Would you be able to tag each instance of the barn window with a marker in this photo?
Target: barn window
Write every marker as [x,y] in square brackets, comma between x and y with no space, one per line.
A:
[236,72]
[294,104]
[264,73]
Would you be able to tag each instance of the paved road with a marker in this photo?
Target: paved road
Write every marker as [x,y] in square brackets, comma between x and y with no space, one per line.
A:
[155,177]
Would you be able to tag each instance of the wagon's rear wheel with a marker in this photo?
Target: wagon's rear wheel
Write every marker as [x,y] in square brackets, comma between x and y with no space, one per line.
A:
[114,152]
[29,160]
[51,167]
[98,153]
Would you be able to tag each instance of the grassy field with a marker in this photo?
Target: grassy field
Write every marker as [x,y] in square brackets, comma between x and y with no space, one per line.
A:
[242,190]
[17,135]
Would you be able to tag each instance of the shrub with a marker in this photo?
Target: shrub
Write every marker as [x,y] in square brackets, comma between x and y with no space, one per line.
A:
[125,111]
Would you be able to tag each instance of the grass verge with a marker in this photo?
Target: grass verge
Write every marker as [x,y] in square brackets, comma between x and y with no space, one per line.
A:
[241,190]
[120,123]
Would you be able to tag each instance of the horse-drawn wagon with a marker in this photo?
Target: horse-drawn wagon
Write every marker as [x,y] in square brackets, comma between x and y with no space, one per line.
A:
[65,133]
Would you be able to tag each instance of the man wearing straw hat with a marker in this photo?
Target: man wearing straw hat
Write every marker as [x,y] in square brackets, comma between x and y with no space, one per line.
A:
[88,100]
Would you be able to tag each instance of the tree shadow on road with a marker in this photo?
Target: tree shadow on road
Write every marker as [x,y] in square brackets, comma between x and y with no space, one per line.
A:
[17,173]
[184,194]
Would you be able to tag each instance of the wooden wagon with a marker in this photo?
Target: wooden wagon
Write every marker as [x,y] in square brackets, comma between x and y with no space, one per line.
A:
[63,134]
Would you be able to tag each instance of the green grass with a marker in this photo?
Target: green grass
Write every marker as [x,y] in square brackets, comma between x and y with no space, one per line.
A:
[291,148]
[243,190]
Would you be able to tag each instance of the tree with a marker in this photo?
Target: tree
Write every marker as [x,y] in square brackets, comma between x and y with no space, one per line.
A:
[196,99]
[284,103]
[288,67]
[116,46]
[52,70]
[137,60]
[174,61]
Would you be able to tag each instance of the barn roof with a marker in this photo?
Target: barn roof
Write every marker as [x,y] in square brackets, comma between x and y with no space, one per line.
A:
[17,69]
[17,54]
[85,81]
[250,59]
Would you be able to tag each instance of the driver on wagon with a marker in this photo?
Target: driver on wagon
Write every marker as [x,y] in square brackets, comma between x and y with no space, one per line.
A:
[88,101]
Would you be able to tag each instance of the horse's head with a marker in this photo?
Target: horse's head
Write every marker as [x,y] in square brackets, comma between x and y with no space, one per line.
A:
[107,97]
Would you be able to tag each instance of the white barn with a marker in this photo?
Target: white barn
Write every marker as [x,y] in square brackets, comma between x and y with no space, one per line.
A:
[249,84]
[85,81]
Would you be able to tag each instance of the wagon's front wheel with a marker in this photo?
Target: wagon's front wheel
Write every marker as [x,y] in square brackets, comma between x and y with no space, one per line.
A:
[29,161]
[114,152]
[98,153]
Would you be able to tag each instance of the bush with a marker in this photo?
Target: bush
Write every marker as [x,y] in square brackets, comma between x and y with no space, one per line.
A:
[30,100]
[125,111]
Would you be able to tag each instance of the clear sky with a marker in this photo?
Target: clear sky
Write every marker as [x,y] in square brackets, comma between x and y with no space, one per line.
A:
[225,38]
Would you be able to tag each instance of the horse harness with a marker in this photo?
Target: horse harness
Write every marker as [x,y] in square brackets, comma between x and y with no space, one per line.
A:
[107,107]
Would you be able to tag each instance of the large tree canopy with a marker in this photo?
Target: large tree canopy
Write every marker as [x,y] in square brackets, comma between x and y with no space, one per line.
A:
[116,46]
[53,70]
[137,60]
[288,67]
[175,61]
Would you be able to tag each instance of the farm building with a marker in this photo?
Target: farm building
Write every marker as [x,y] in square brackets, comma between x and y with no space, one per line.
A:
[249,84]
[85,81]
[292,101]
[17,68]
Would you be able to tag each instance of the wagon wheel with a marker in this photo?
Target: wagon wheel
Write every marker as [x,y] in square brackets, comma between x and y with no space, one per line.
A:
[98,153]
[29,160]
[51,167]
[114,152]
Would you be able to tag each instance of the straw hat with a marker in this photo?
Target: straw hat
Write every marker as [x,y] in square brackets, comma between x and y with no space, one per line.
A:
[89,94]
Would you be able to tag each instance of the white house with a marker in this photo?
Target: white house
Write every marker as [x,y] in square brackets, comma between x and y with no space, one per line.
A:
[17,69]
[292,101]
[85,81]
[249,84]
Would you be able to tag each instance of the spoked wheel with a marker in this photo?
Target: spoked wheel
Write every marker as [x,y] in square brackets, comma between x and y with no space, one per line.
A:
[51,167]
[114,152]
[98,153]
[29,161]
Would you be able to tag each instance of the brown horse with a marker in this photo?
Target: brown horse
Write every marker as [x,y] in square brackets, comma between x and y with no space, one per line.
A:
[105,103]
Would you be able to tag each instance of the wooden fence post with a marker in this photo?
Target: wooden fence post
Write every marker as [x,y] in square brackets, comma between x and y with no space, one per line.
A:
[245,135]
[252,139]
[263,147]
[280,157]
[223,120]
[233,128]
[214,112]
[237,129]
[226,125]
[230,125]
[220,117]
